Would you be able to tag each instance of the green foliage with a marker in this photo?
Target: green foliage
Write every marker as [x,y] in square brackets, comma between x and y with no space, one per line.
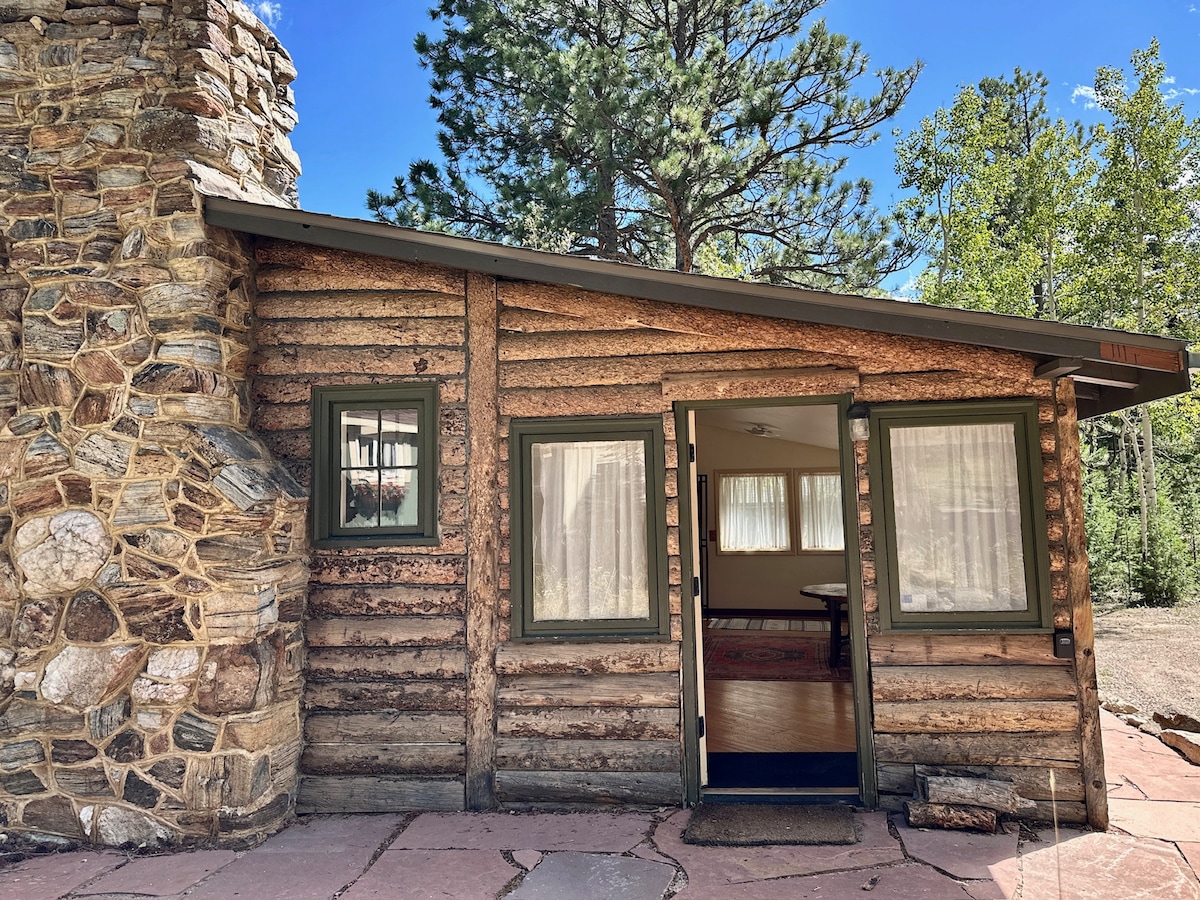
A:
[1036,217]
[651,130]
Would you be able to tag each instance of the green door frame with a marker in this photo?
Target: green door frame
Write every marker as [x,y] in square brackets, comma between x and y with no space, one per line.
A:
[868,787]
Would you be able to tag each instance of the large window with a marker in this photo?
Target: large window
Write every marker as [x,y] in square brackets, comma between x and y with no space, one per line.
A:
[374,464]
[589,527]
[782,511]
[963,515]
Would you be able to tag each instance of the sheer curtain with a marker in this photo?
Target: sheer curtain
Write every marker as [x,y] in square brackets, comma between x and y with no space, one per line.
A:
[958,518]
[589,531]
[821,512]
[753,513]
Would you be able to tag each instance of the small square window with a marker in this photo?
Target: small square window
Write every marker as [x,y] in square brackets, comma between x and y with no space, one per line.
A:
[374,473]
[589,527]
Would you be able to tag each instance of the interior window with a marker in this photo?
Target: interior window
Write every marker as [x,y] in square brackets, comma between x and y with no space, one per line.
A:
[821,523]
[753,514]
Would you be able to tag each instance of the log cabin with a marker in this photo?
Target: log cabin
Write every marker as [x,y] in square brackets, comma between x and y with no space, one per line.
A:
[309,514]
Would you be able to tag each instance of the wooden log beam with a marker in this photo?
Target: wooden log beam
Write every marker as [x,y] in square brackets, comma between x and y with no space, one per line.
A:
[959,716]
[483,540]
[958,790]
[384,631]
[909,683]
[374,304]
[285,266]
[1080,599]
[963,650]
[591,690]
[378,794]
[384,758]
[1028,781]
[608,788]
[999,749]
[382,727]
[430,694]
[386,662]
[939,815]
[587,722]
[587,755]
[386,600]
[584,401]
[586,658]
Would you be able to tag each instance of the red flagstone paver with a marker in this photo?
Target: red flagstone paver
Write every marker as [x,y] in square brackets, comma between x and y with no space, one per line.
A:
[161,876]
[1191,853]
[434,875]
[961,854]
[1156,786]
[715,866]
[527,858]
[587,832]
[1094,866]
[594,876]
[907,882]
[49,877]
[1160,819]
[311,860]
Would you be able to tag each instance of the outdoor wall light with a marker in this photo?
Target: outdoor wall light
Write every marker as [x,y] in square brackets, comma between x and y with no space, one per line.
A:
[859,415]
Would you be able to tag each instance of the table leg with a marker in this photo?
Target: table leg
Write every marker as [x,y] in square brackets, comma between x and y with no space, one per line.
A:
[835,631]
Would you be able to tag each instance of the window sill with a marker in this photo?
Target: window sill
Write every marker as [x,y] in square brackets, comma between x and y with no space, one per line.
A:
[375,543]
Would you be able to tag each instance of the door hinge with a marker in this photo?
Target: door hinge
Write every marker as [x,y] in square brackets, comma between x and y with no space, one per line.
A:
[691,452]
[700,727]
[696,586]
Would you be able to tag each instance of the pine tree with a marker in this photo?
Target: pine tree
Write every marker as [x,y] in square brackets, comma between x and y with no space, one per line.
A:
[652,129]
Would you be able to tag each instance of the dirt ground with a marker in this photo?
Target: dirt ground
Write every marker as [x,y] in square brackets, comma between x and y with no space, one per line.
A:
[1150,657]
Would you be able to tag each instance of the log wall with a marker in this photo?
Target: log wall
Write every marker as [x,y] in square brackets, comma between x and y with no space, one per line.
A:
[384,701]
[393,720]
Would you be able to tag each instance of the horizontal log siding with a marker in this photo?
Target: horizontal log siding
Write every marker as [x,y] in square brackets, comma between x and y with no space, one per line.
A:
[386,666]
[991,704]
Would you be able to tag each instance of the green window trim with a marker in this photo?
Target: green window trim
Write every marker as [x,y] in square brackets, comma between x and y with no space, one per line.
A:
[328,404]
[523,433]
[1023,416]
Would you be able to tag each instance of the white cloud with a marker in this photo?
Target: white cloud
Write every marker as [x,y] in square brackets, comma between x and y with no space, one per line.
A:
[1087,92]
[267,10]
[1168,79]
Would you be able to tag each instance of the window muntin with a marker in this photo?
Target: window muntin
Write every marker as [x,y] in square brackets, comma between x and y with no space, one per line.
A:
[961,507]
[374,458]
[589,527]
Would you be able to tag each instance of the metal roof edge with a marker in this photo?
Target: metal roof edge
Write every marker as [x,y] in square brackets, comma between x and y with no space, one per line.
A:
[1030,336]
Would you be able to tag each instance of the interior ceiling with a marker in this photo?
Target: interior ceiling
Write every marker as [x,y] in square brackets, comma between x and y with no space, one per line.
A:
[814,425]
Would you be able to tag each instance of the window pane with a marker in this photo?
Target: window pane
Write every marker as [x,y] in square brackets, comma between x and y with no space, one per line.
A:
[958,519]
[360,438]
[753,513]
[398,498]
[399,443]
[821,512]
[360,499]
[589,531]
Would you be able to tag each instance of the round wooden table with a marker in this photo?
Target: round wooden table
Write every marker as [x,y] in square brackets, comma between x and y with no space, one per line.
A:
[833,595]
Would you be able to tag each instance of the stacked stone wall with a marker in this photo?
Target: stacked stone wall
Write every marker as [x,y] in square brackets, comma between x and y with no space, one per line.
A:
[152,552]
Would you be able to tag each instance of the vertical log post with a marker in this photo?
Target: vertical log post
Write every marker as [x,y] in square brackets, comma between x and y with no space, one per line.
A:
[483,539]
[1095,790]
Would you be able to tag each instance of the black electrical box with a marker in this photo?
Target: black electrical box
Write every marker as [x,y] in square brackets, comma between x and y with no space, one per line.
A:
[1064,645]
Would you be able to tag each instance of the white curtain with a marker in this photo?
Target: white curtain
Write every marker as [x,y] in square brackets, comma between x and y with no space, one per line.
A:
[821,512]
[753,513]
[958,518]
[589,531]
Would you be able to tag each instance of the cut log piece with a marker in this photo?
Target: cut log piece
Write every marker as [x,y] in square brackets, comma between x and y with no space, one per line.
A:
[940,815]
[952,790]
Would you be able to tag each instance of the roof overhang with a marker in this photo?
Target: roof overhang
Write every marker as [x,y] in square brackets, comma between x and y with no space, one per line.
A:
[1112,369]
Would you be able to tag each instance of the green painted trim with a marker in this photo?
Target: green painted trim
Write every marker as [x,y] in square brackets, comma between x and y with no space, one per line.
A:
[1023,415]
[326,402]
[860,660]
[647,429]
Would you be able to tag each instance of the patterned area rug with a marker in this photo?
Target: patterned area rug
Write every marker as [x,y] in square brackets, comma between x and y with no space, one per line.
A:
[769,656]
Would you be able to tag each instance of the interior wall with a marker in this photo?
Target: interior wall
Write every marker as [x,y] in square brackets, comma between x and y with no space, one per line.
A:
[761,582]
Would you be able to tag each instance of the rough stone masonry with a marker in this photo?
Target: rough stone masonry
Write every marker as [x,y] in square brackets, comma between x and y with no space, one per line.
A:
[152,554]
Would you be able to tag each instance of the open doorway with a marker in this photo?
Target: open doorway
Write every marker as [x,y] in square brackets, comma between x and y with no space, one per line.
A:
[773,647]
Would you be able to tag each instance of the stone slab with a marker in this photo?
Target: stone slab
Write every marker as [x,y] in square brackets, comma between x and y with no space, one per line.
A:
[907,882]
[310,860]
[49,877]
[1092,866]
[714,866]
[527,858]
[1162,819]
[591,876]
[1191,853]
[1184,788]
[586,832]
[161,876]
[434,875]
[960,854]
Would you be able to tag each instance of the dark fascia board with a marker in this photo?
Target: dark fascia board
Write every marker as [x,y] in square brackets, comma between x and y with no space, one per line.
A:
[1035,337]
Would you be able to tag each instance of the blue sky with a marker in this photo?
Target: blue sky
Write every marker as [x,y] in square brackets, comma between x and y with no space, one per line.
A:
[361,96]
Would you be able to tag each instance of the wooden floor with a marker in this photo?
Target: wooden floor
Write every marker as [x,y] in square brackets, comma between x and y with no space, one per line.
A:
[779,716]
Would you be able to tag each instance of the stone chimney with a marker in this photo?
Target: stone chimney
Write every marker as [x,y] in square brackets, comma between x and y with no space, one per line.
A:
[152,567]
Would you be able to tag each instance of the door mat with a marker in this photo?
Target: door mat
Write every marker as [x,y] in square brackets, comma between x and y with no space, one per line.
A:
[770,656]
[782,770]
[763,824]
